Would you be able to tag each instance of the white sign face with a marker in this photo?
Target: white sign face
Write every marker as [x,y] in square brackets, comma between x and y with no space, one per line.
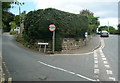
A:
[52,27]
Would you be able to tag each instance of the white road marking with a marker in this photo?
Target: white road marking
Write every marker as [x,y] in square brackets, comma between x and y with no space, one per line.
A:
[96,66]
[101,51]
[95,55]
[66,71]
[95,61]
[103,56]
[107,66]
[105,62]
[98,80]
[95,58]
[109,71]
[104,59]
[112,78]
[96,71]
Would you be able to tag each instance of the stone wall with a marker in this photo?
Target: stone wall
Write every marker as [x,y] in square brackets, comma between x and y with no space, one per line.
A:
[71,44]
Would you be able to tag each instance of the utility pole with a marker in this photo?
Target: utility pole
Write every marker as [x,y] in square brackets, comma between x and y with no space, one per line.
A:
[108,26]
[19,4]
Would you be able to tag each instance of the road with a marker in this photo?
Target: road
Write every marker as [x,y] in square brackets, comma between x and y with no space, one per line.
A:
[25,65]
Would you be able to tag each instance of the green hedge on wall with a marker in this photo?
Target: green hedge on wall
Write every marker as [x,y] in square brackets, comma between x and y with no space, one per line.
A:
[68,25]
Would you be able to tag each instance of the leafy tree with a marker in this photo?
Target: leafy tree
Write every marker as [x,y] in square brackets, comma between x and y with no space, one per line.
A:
[17,20]
[93,21]
[6,15]
[12,25]
[86,12]
[6,26]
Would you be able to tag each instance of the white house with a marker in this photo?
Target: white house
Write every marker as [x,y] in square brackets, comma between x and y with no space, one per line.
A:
[16,29]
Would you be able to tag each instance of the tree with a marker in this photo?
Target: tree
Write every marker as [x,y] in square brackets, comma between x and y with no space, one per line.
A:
[93,21]
[6,15]
[17,20]
[6,26]
[86,13]
[12,25]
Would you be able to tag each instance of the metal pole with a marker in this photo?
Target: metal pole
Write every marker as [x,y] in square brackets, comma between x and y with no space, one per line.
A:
[20,17]
[45,49]
[53,41]
[108,25]
[39,48]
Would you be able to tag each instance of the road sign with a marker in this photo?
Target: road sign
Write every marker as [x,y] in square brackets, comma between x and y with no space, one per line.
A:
[52,27]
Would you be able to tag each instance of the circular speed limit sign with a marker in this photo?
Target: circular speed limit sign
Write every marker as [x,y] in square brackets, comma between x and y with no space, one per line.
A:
[52,27]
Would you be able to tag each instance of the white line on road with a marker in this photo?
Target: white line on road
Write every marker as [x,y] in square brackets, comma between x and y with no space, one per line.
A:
[95,55]
[112,78]
[66,71]
[105,62]
[95,58]
[107,66]
[109,71]
[104,59]
[96,66]
[95,61]
[101,51]
[96,71]
[103,56]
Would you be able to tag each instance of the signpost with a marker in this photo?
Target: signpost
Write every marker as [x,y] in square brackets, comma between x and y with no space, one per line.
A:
[52,28]
[44,45]
[86,35]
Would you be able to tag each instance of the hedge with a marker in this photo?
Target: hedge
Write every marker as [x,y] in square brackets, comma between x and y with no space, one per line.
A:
[68,25]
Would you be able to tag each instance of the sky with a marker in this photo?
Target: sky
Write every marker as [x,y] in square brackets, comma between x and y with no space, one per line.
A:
[106,10]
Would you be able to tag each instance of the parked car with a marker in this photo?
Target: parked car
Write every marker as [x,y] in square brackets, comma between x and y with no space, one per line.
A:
[104,34]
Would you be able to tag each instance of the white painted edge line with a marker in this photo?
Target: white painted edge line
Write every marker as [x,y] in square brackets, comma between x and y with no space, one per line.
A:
[95,65]
[107,66]
[100,50]
[96,61]
[95,58]
[104,59]
[96,71]
[109,71]
[51,66]
[103,56]
[105,62]
[112,78]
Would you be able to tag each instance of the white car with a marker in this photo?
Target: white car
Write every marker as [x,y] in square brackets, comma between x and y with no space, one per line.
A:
[104,34]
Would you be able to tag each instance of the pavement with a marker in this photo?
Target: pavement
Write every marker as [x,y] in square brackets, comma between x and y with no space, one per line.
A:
[93,44]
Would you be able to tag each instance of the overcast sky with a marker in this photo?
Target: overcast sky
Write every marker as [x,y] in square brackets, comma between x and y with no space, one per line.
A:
[106,10]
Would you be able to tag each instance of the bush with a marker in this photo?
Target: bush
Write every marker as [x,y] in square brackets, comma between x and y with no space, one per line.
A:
[13,32]
[68,25]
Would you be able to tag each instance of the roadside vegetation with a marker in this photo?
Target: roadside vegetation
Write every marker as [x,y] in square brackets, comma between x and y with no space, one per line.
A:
[68,25]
